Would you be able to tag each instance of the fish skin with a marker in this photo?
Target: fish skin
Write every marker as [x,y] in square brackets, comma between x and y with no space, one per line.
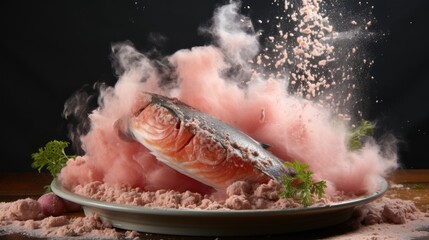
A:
[201,146]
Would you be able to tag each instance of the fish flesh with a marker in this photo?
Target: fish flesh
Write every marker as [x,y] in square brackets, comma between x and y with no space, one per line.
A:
[200,145]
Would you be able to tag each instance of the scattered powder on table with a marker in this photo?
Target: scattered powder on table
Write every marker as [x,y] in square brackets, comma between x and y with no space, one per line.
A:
[388,218]
[24,216]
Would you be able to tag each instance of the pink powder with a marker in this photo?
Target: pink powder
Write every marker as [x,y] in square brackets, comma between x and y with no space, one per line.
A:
[239,195]
[388,210]
[308,124]
[20,210]
[24,216]
[259,105]
[385,218]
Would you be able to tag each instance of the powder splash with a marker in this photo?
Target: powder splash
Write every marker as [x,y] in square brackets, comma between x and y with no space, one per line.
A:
[231,80]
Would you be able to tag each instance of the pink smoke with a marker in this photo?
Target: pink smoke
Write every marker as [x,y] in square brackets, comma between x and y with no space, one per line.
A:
[295,128]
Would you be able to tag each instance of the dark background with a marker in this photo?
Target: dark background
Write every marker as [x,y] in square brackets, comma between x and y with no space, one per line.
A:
[51,49]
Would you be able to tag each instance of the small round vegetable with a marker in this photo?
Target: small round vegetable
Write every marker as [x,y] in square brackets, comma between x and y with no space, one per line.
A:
[71,206]
[51,204]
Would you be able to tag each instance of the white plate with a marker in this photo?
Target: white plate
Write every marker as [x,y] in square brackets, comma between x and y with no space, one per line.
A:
[192,222]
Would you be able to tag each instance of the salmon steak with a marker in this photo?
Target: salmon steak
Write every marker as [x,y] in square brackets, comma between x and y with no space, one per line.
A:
[200,146]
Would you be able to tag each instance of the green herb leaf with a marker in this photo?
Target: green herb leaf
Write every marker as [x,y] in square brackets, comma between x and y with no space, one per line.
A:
[302,186]
[417,186]
[365,128]
[52,156]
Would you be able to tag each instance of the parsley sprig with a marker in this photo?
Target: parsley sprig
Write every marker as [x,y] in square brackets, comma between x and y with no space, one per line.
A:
[365,128]
[302,186]
[52,156]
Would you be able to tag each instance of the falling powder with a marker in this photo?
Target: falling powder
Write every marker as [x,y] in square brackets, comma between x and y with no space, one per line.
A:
[223,80]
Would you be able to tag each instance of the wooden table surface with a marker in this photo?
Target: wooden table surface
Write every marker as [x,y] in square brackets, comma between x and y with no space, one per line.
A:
[405,184]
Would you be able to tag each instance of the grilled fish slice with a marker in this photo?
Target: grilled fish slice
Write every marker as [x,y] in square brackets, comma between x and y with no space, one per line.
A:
[201,146]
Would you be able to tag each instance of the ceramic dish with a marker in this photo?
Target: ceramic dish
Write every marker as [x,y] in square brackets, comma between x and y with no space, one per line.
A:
[193,222]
